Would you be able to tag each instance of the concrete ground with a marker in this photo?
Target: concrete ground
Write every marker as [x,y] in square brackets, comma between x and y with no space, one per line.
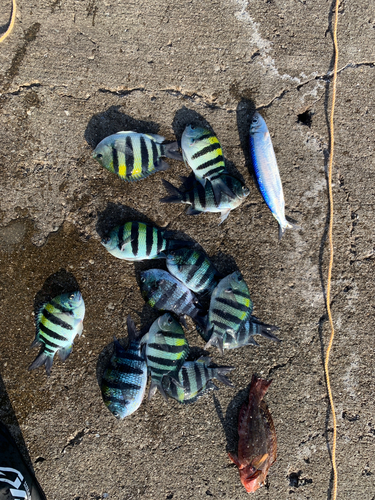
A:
[74,72]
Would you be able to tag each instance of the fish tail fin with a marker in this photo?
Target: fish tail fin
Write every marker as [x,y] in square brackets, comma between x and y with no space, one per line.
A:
[204,333]
[259,328]
[287,225]
[40,360]
[133,333]
[154,386]
[221,372]
[175,195]
[171,151]
[258,388]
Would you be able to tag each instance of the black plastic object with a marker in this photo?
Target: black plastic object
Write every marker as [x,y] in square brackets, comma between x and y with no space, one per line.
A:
[17,481]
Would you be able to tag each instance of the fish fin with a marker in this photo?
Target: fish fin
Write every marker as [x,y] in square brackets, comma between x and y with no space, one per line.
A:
[224,215]
[219,186]
[234,459]
[288,225]
[133,333]
[125,242]
[40,360]
[263,329]
[220,375]
[35,343]
[193,211]
[64,352]
[188,182]
[175,244]
[80,328]
[215,341]
[211,385]
[174,379]
[199,319]
[175,194]
[258,388]
[171,151]
[161,165]
[272,438]
[258,461]
[183,321]
[160,339]
[154,386]
[205,360]
[156,137]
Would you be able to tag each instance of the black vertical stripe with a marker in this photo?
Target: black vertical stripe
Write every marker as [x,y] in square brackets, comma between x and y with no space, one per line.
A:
[149,239]
[155,153]
[210,173]
[160,241]
[129,157]
[195,268]
[186,381]
[180,302]
[120,236]
[56,320]
[144,155]
[201,191]
[207,276]
[207,149]
[210,163]
[115,160]
[134,238]
[173,389]
[198,376]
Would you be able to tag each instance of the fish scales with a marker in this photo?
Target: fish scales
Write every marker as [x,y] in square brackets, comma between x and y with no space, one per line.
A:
[166,350]
[139,241]
[124,381]
[203,199]
[193,268]
[267,172]
[134,156]
[194,379]
[257,438]
[230,305]
[57,324]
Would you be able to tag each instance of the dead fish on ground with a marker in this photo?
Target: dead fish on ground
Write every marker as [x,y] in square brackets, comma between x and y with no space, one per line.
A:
[257,438]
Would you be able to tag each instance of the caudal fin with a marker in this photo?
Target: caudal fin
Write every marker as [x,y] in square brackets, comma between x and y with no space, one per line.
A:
[40,360]
[175,194]
[171,151]
[221,372]
[154,386]
[288,225]
[259,328]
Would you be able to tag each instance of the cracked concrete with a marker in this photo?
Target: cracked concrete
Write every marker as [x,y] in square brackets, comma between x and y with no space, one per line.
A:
[72,73]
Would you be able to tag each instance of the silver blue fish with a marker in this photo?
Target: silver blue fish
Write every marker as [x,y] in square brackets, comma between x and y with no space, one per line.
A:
[202,199]
[166,350]
[57,323]
[194,379]
[267,173]
[124,380]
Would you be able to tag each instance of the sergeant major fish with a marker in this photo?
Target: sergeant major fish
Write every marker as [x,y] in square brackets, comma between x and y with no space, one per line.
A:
[57,324]
[166,351]
[202,198]
[201,150]
[133,156]
[257,438]
[193,268]
[267,173]
[166,293]
[124,381]
[139,241]
[194,379]
[230,306]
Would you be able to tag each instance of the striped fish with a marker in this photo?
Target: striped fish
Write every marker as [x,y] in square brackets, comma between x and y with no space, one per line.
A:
[193,268]
[248,329]
[139,241]
[201,150]
[124,381]
[230,305]
[202,199]
[133,156]
[194,379]
[166,351]
[267,173]
[166,293]
[57,324]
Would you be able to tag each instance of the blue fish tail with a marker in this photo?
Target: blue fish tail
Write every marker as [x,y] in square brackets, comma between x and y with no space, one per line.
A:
[287,225]
[171,151]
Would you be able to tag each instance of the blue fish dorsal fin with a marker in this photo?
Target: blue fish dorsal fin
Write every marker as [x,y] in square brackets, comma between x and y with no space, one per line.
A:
[133,333]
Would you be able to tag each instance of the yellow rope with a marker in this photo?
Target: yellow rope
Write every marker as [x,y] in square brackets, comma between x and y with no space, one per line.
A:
[330,229]
[11,24]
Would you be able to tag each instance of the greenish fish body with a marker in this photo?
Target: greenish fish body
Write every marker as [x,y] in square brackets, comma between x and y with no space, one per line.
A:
[57,324]
[193,268]
[201,150]
[124,381]
[230,305]
[133,156]
[203,199]
[166,350]
[194,379]
[139,241]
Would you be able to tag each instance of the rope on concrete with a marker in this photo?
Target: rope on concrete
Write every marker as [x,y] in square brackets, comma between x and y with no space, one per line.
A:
[330,229]
[11,24]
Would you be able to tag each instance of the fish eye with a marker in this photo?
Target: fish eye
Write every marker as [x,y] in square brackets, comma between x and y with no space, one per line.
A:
[99,155]
[239,278]
[228,290]
[105,240]
[255,120]
[170,320]
[143,279]
[116,414]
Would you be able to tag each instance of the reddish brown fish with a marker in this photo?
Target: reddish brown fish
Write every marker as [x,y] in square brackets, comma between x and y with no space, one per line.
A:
[257,438]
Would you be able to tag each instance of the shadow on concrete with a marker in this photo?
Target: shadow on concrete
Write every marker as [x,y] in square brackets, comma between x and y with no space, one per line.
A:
[245,112]
[56,284]
[112,121]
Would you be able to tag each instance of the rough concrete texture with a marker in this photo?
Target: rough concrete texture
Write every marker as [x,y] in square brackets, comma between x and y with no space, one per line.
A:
[74,72]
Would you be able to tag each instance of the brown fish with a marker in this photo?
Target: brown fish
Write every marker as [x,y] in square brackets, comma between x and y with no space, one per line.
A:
[257,438]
